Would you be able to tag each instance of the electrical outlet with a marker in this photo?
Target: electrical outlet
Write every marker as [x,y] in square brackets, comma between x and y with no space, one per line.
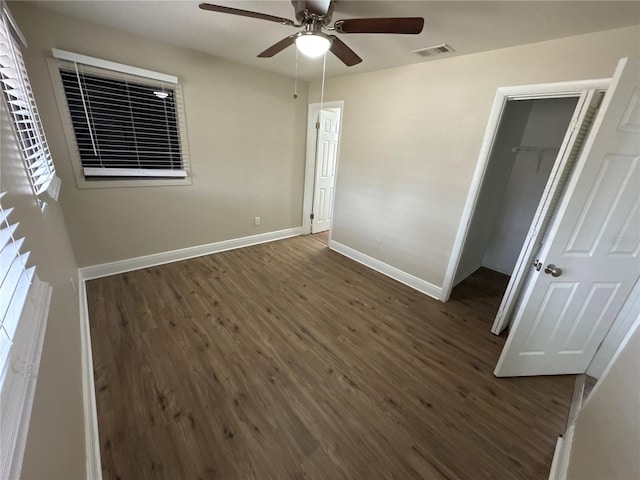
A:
[256,221]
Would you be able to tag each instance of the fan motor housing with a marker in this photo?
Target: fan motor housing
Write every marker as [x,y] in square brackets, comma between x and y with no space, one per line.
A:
[313,11]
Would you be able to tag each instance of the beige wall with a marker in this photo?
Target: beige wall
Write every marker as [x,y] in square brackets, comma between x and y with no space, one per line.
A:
[246,143]
[411,137]
[607,431]
[55,442]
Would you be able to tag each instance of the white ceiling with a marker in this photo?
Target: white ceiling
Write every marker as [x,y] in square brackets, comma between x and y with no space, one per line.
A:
[468,26]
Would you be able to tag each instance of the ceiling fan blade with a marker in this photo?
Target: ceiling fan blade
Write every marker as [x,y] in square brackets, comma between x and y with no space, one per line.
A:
[343,52]
[278,47]
[404,25]
[246,13]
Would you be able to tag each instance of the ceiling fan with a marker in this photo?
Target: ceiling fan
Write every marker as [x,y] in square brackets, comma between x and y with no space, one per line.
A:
[315,16]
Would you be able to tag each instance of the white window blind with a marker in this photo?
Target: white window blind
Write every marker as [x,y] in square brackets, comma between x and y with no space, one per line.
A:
[24,307]
[125,125]
[24,113]
[15,279]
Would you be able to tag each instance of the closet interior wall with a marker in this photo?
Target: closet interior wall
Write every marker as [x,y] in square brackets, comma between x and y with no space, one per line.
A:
[523,154]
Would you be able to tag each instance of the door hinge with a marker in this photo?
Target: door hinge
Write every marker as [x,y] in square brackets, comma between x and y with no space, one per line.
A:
[312,216]
[317,125]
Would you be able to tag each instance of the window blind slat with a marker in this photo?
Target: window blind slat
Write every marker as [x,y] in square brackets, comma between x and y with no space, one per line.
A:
[7,69]
[18,103]
[6,233]
[4,214]
[40,163]
[16,93]
[132,172]
[106,110]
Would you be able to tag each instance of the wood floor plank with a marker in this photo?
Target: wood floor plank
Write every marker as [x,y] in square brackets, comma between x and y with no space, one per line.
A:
[287,360]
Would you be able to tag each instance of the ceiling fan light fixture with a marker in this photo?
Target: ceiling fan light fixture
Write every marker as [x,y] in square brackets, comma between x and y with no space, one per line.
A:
[313,44]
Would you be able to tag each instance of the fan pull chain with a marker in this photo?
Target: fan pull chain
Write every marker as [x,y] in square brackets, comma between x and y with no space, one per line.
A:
[295,84]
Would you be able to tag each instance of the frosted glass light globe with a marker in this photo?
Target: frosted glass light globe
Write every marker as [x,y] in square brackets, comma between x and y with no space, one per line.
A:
[312,44]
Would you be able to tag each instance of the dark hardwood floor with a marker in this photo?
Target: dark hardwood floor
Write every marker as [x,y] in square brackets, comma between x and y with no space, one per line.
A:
[289,361]
[322,237]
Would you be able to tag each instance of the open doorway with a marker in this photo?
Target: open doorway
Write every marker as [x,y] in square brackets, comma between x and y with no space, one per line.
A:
[323,141]
[524,152]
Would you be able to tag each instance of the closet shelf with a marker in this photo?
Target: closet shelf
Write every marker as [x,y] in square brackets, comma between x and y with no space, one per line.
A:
[532,149]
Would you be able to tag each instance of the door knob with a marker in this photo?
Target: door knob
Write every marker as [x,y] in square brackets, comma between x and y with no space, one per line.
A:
[553,270]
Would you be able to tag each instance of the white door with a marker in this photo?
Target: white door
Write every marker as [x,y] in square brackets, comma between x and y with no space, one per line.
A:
[326,163]
[590,258]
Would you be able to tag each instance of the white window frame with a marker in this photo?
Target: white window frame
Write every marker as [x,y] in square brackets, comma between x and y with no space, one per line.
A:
[64,59]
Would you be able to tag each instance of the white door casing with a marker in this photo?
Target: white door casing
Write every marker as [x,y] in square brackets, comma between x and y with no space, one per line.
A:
[571,147]
[593,239]
[326,163]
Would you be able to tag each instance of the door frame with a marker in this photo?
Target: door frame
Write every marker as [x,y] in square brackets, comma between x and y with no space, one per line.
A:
[503,95]
[310,162]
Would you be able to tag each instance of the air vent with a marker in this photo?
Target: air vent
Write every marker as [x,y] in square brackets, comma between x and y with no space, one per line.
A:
[435,50]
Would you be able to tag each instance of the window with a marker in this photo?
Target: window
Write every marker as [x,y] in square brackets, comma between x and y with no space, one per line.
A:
[127,123]
[24,113]
[24,299]
[123,128]
[24,307]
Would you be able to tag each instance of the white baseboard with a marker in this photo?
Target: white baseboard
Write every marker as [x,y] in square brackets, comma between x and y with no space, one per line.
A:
[393,272]
[92,439]
[557,459]
[577,398]
[560,464]
[498,269]
[466,274]
[130,264]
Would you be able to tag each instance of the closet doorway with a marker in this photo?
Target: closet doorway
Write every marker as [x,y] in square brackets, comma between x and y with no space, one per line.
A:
[525,149]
